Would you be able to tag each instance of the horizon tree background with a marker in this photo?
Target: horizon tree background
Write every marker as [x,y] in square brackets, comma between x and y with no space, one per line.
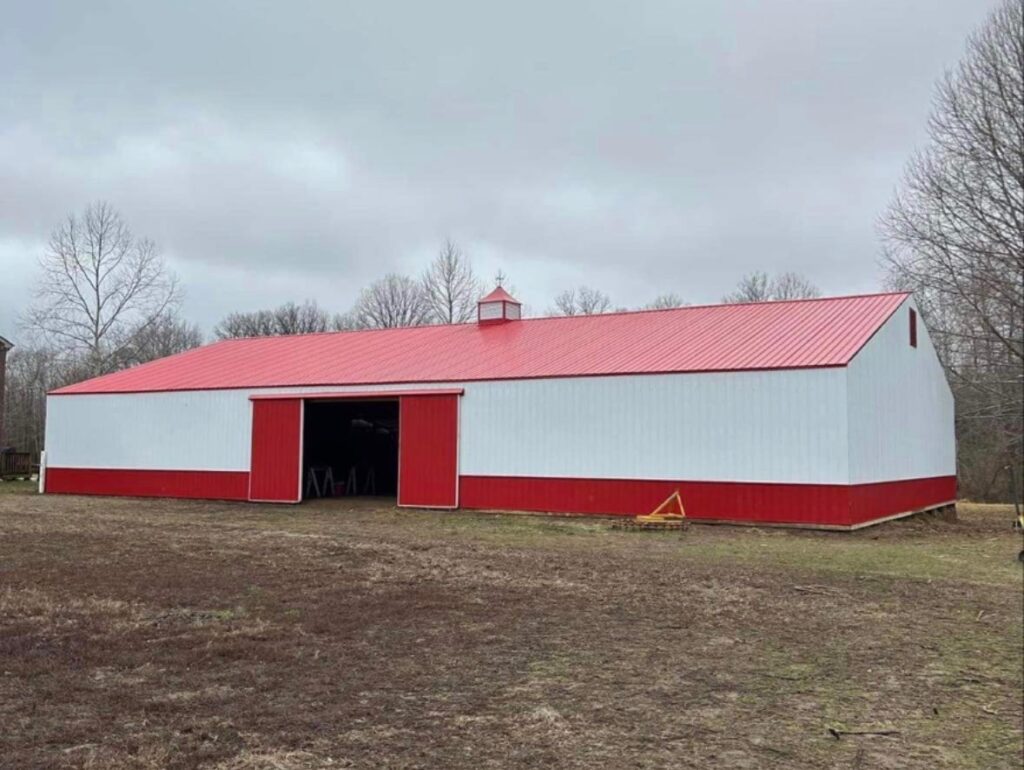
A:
[954,235]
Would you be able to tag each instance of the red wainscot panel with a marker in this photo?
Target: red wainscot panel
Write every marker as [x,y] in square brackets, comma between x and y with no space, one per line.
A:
[813,504]
[827,505]
[870,502]
[199,485]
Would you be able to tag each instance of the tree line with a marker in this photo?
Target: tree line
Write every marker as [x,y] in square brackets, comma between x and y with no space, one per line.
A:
[954,235]
[105,300]
[445,293]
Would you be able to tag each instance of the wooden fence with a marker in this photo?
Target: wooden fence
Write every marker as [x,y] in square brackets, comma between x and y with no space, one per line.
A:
[17,465]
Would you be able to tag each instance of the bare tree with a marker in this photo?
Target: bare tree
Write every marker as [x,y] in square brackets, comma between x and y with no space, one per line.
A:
[31,372]
[289,318]
[665,302]
[592,301]
[5,347]
[793,286]
[954,234]
[257,323]
[101,287]
[344,322]
[753,287]
[392,301]
[758,286]
[450,286]
[307,318]
[582,301]
[165,337]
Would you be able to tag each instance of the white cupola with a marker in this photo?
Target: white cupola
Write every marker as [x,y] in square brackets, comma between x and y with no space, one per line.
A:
[498,307]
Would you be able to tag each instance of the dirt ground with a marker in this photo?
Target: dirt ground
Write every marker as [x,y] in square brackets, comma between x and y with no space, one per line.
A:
[146,634]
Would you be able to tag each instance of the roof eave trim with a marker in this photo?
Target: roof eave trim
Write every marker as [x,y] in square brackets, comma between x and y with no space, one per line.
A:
[582,375]
[355,394]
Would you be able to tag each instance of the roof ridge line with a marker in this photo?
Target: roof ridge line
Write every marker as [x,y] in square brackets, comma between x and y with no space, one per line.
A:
[831,298]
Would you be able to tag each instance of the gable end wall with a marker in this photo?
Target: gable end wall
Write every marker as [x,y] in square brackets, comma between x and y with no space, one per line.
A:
[900,407]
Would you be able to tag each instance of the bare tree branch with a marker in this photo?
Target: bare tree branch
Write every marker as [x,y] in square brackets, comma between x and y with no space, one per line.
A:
[760,287]
[289,318]
[665,302]
[100,288]
[167,335]
[753,287]
[450,286]
[793,286]
[582,301]
[954,235]
[393,301]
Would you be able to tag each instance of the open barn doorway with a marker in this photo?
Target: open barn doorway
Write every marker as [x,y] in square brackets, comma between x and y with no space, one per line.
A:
[350,448]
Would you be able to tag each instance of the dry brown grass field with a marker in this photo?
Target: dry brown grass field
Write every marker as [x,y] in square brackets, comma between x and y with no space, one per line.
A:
[153,634]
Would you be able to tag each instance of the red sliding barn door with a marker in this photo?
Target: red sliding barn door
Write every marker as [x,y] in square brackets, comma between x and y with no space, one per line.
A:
[428,451]
[275,466]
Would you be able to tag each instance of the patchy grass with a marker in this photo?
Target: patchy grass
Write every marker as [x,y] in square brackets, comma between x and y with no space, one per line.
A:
[19,487]
[986,561]
[137,634]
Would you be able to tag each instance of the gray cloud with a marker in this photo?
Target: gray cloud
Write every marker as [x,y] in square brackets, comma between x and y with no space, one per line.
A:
[282,151]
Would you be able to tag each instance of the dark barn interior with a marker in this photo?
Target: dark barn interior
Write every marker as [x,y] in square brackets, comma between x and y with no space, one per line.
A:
[353,444]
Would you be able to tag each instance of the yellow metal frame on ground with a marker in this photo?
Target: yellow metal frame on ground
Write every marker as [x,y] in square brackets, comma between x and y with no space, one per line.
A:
[660,514]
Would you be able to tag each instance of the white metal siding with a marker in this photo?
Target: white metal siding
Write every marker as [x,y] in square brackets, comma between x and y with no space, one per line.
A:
[188,430]
[781,426]
[490,310]
[900,407]
[196,430]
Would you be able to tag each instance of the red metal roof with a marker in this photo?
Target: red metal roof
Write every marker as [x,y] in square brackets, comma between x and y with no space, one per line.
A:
[500,295]
[767,335]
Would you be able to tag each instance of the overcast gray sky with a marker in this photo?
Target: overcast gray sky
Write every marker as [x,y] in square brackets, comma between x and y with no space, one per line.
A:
[292,150]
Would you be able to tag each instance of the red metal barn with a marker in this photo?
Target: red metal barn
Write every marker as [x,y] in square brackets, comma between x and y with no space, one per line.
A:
[829,412]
